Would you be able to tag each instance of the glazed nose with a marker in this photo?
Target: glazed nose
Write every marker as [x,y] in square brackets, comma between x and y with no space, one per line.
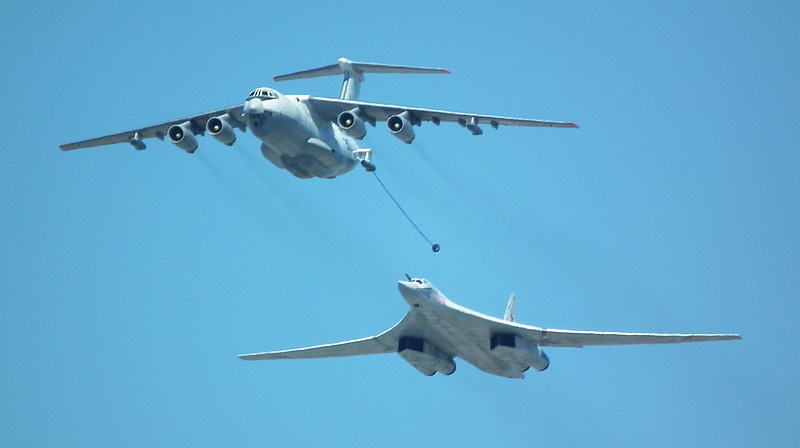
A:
[253,106]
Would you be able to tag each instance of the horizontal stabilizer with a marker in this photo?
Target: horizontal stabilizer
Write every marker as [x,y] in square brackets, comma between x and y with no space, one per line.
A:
[346,66]
[354,74]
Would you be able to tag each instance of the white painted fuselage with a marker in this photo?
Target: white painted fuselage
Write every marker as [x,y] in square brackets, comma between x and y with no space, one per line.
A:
[458,331]
[436,331]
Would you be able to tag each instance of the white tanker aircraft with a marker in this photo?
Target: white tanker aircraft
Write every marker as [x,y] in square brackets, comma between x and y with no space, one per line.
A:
[436,330]
[306,135]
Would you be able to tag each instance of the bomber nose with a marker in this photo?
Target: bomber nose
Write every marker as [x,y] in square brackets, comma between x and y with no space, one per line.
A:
[407,290]
[253,106]
[405,286]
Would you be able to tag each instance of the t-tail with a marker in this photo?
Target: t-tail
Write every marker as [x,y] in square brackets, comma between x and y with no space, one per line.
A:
[354,74]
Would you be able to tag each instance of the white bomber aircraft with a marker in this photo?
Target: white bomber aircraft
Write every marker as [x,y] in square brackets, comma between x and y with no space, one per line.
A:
[306,135]
[436,330]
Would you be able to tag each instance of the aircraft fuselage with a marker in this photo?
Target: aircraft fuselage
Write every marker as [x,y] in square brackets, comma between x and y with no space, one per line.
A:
[435,331]
[457,331]
[296,139]
[306,135]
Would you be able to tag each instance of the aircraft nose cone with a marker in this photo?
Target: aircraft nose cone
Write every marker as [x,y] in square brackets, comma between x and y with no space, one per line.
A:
[407,290]
[404,286]
[253,106]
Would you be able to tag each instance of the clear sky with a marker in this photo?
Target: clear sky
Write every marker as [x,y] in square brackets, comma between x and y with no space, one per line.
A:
[130,280]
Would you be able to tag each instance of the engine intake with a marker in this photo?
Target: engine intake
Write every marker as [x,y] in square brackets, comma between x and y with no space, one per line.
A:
[220,128]
[518,352]
[424,356]
[182,136]
[401,126]
[351,122]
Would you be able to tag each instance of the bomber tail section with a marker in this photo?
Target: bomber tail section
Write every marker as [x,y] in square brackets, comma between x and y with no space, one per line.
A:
[511,309]
[354,74]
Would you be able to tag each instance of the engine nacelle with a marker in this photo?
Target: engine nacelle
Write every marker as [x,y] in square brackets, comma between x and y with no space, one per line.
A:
[401,126]
[518,352]
[351,122]
[220,128]
[182,136]
[424,356]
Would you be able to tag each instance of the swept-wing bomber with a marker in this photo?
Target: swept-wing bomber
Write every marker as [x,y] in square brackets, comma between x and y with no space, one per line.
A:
[306,135]
[436,330]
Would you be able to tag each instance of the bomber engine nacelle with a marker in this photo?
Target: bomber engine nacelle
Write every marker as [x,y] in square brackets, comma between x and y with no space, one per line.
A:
[182,136]
[518,352]
[351,122]
[402,126]
[424,356]
[220,128]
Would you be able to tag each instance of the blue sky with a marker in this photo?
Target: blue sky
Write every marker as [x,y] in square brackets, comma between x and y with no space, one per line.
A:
[130,280]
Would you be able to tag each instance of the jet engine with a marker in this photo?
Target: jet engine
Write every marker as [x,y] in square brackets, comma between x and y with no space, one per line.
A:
[220,128]
[518,352]
[401,126]
[182,136]
[424,356]
[351,122]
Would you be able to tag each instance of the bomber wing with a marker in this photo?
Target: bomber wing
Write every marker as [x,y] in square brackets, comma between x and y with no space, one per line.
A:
[385,342]
[330,108]
[569,338]
[566,338]
[366,346]
[135,136]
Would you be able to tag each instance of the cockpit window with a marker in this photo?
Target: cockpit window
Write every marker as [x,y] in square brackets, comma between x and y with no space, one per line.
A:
[263,93]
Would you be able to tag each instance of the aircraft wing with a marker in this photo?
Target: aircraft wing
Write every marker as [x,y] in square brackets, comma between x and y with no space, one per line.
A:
[135,136]
[366,346]
[566,338]
[330,108]
[385,342]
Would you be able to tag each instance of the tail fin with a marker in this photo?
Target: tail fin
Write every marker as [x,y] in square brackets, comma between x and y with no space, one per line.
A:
[354,74]
[511,309]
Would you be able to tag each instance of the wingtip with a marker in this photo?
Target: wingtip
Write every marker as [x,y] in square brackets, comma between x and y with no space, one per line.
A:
[730,337]
[442,70]
[573,125]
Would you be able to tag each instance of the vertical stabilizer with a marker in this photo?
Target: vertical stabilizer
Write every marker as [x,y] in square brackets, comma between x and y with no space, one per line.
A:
[354,74]
[511,309]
